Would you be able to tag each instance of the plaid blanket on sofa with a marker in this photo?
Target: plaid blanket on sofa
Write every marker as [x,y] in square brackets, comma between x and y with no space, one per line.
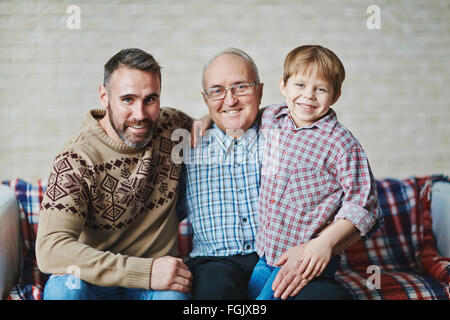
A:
[398,262]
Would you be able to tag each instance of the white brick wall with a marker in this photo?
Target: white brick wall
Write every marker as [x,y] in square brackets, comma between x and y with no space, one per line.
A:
[395,98]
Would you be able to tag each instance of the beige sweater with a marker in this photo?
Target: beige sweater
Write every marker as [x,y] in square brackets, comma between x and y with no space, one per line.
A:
[109,209]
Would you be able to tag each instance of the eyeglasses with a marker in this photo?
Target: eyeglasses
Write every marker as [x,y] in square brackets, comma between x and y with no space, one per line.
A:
[238,89]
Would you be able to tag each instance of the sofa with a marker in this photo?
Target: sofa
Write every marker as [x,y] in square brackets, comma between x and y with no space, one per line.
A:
[408,258]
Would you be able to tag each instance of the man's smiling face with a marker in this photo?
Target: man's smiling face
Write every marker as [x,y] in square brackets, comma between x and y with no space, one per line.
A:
[232,112]
[132,101]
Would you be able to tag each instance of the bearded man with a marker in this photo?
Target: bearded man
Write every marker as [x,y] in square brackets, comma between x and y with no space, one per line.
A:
[108,226]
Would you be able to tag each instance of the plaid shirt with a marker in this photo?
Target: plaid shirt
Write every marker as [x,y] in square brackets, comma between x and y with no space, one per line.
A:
[310,176]
[219,187]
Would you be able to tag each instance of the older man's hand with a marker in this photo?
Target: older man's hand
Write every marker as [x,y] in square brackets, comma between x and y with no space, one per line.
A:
[301,264]
[199,127]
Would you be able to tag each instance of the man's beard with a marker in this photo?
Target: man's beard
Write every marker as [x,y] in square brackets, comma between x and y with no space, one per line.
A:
[121,131]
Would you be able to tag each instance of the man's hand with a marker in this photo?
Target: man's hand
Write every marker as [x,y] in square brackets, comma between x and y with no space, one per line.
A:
[199,128]
[300,265]
[169,273]
[288,281]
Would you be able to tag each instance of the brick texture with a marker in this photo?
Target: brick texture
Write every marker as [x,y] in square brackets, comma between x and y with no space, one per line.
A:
[395,99]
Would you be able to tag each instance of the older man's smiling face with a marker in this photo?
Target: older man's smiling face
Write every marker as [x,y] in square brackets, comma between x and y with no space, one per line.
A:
[232,112]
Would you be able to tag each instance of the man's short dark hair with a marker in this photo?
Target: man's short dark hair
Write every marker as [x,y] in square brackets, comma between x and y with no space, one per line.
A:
[134,59]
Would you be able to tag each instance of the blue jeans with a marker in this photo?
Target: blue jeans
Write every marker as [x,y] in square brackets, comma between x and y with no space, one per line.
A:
[322,287]
[68,287]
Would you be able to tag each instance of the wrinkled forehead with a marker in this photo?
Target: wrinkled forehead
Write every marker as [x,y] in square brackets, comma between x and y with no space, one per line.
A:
[227,69]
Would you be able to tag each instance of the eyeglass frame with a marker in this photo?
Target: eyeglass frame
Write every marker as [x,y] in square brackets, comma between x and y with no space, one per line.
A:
[252,84]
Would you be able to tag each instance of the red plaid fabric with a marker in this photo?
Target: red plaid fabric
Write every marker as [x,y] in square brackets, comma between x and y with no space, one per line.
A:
[429,259]
[400,260]
[310,177]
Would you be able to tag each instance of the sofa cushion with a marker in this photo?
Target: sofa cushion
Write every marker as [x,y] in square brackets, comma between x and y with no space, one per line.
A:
[29,197]
[440,208]
[429,258]
[10,241]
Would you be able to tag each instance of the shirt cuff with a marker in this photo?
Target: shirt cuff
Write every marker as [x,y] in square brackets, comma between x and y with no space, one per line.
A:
[356,214]
[138,273]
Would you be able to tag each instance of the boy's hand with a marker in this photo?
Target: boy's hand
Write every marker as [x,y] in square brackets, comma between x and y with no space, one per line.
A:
[317,254]
[300,265]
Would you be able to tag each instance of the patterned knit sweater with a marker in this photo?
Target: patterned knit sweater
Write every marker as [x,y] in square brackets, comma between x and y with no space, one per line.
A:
[109,209]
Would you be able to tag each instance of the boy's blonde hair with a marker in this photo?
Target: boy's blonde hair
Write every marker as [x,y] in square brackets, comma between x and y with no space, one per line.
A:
[303,59]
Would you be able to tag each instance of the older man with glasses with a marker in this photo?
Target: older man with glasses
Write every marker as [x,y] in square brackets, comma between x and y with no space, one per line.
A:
[220,180]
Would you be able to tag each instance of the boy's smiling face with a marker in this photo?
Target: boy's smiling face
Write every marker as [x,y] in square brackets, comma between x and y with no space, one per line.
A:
[308,96]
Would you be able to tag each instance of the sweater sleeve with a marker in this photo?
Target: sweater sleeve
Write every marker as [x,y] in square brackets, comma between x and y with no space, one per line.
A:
[63,215]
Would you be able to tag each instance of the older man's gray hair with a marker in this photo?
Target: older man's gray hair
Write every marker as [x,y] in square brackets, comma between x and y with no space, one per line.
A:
[237,52]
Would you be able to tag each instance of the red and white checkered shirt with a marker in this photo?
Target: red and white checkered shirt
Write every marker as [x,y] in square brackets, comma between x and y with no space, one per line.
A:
[310,176]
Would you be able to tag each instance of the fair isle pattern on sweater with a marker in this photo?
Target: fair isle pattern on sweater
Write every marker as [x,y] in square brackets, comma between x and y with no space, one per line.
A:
[108,190]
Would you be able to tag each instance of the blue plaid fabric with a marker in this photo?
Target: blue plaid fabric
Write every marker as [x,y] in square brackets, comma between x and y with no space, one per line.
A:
[219,188]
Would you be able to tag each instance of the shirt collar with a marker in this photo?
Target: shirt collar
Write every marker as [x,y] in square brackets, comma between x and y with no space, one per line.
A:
[249,139]
[327,123]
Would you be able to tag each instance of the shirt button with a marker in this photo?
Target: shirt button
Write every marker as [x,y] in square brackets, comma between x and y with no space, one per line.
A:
[277,176]
[244,220]
[241,190]
[247,247]
[272,201]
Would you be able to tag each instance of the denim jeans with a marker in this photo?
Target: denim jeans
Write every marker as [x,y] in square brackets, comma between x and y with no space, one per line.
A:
[324,286]
[68,287]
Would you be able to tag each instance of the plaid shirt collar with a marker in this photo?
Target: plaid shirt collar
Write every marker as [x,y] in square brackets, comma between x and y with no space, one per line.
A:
[327,123]
[225,142]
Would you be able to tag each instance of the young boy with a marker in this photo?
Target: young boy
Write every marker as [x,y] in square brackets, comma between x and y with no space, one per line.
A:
[318,194]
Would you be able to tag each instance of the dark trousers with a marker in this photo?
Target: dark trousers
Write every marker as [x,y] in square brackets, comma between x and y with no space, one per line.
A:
[221,278]
[325,286]
[323,289]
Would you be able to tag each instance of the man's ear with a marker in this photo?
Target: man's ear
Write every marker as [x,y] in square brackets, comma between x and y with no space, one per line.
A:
[207,101]
[103,95]
[260,92]
[205,98]
[282,86]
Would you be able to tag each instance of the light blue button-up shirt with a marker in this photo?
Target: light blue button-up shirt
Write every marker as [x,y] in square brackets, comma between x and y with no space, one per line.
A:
[219,188]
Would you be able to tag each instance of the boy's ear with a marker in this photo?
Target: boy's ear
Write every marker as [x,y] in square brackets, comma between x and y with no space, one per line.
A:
[282,86]
[336,97]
